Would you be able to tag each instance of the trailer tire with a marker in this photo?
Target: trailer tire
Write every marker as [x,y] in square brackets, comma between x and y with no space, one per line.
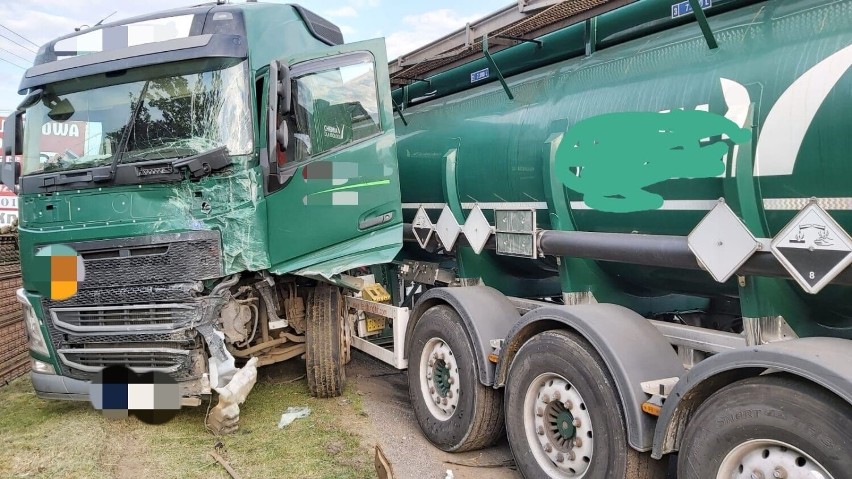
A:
[475,417]
[765,423]
[564,418]
[324,353]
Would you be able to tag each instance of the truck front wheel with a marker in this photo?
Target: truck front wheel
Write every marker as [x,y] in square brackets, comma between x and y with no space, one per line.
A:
[325,345]
[563,416]
[455,411]
[771,426]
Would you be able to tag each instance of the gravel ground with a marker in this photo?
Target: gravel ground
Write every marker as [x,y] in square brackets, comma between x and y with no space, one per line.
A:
[394,428]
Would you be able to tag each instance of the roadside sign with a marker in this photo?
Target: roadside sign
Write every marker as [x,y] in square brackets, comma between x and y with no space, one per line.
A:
[422,227]
[813,248]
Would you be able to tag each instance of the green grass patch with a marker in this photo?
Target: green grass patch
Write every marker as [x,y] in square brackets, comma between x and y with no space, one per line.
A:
[70,439]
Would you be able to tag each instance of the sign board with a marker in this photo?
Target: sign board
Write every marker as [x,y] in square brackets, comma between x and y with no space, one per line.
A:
[684,8]
[480,75]
[813,248]
[56,138]
[722,243]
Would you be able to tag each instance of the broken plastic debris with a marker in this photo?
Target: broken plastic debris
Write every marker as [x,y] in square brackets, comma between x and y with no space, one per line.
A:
[225,416]
[293,413]
[221,372]
[449,474]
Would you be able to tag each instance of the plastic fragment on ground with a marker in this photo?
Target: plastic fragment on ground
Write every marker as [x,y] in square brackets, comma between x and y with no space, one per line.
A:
[291,414]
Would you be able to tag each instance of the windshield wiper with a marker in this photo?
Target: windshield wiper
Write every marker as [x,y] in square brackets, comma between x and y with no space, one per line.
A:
[125,136]
[198,166]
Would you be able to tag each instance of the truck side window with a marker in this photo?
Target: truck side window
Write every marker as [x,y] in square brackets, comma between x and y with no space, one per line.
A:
[335,107]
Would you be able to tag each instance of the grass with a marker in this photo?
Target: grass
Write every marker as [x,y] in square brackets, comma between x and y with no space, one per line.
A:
[59,439]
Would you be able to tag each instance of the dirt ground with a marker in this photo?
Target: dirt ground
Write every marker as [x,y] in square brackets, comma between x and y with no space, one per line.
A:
[392,425]
[59,439]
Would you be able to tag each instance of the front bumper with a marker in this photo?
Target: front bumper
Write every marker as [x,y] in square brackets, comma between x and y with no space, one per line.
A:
[53,386]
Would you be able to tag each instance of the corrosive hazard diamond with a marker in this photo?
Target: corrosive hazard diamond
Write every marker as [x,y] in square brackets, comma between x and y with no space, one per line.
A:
[813,248]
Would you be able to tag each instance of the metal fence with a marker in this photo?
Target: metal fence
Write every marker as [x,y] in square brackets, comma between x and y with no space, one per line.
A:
[14,356]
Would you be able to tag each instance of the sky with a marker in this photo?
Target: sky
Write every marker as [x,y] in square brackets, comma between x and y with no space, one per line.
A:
[405,25]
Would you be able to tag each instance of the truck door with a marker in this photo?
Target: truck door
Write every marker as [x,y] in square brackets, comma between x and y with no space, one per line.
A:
[339,203]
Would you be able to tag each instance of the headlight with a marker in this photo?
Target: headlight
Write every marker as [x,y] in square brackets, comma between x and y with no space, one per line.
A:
[41,367]
[36,339]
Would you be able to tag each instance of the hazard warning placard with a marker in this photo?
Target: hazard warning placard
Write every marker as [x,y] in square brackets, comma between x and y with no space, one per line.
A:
[813,248]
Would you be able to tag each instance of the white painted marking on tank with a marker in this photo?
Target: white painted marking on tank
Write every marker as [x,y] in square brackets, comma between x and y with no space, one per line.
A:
[787,123]
[519,205]
[796,204]
[668,205]
[738,102]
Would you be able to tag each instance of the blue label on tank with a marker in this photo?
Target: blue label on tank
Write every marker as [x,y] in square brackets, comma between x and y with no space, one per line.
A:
[479,76]
[684,8]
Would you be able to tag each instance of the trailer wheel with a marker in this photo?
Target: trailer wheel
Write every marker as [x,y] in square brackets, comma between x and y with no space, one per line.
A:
[455,411]
[325,354]
[770,426]
[563,414]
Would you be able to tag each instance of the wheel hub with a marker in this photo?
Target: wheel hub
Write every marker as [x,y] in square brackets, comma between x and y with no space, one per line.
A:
[559,427]
[769,459]
[439,379]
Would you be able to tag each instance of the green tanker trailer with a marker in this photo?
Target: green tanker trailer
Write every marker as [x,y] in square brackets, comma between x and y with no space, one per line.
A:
[635,164]
[614,229]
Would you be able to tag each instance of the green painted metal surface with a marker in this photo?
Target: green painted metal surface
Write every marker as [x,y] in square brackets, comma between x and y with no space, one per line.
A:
[778,81]
[296,229]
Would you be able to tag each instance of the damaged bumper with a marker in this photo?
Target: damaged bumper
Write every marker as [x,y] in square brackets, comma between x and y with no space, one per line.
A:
[52,386]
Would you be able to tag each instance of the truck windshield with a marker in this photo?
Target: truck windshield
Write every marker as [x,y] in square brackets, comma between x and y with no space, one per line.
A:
[153,119]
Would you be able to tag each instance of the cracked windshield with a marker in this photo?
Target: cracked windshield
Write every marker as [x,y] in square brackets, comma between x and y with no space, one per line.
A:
[148,120]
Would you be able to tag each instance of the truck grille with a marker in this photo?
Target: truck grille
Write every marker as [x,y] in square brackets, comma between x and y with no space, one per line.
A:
[136,306]
[140,359]
[123,318]
[150,260]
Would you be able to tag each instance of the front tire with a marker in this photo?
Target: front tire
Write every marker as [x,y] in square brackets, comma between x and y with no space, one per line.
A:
[768,426]
[325,355]
[455,411]
[563,414]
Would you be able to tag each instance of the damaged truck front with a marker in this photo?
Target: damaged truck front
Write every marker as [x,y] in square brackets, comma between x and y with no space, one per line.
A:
[229,162]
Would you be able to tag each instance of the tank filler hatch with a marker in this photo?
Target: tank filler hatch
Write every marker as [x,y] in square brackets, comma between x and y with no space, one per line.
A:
[526,20]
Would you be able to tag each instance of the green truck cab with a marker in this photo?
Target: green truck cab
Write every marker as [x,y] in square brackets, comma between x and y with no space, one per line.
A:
[619,230]
[189,166]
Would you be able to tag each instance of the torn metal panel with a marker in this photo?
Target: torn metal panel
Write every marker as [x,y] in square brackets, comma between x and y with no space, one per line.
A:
[365,250]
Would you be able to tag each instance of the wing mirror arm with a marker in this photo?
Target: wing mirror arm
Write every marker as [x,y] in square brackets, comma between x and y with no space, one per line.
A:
[279,101]
[13,145]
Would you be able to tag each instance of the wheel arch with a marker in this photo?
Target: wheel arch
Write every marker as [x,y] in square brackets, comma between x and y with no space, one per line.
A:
[485,312]
[821,361]
[633,350]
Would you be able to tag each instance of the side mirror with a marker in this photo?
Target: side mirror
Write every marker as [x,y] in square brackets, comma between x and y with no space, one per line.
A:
[279,99]
[13,145]
[10,172]
[284,89]
[13,135]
